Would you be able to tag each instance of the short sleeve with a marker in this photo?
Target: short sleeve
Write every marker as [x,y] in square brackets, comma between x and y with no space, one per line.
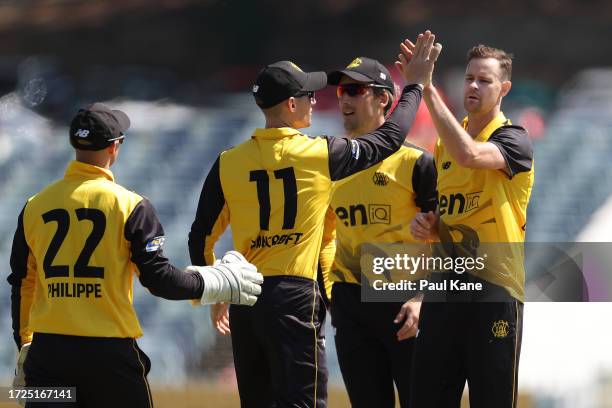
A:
[424,181]
[515,145]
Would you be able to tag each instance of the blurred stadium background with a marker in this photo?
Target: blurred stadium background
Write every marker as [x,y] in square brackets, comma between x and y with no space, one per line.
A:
[182,70]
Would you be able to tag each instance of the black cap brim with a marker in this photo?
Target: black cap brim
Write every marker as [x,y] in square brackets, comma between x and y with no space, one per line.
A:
[334,77]
[122,119]
[315,81]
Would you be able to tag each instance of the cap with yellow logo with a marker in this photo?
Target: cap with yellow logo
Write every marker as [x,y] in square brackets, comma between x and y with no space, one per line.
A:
[364,69]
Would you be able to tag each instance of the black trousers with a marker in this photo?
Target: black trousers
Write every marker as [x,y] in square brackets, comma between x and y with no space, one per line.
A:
[370,356]
[107,372]
[279,346]
[477,342]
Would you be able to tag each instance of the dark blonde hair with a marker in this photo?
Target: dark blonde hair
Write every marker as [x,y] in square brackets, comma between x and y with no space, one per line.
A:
[504,58]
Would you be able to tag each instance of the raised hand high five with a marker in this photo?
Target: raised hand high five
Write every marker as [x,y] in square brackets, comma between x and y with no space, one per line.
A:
[416,61]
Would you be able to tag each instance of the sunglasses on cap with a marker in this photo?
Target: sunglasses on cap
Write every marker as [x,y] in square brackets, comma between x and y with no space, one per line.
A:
[356,89]
[309,94]
[119,138]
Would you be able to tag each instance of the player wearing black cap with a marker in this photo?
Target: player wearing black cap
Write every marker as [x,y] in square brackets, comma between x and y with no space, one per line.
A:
[77,246]
[374,341]
[274,190]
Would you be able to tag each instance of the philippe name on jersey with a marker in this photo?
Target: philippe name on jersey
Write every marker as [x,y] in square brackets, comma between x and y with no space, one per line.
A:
[74,290]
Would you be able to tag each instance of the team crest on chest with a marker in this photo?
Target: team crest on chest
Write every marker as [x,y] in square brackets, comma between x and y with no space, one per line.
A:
[380,179]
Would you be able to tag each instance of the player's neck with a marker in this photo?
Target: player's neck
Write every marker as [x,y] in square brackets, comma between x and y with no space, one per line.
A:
[102,161]
[376,123]
[478,121]
[277,122]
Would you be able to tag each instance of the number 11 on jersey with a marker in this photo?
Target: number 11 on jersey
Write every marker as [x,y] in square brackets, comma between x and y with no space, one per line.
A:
[287,175]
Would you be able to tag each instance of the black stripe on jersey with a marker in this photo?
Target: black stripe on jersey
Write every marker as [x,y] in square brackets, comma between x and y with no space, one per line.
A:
[424,183]
[209,208]
[348,156]
[515,145]
[156,273]
[19,267]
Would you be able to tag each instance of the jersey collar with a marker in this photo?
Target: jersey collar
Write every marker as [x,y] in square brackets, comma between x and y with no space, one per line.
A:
[274,133]
[87,171]
[497,122]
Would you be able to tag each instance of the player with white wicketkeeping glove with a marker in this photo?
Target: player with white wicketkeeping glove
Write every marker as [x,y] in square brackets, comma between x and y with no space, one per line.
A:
[233,256]
[231,280]
[19,380]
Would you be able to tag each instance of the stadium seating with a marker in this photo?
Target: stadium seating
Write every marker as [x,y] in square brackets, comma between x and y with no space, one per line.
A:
[170,149]
[572,160]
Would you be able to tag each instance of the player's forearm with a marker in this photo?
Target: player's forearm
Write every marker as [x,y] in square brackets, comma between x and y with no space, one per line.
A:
[400,121]
[212,218]
[197,244]
[201,246]
[22,297]
[15,314]
[168,282]
[459,143]
[22,281]
[145,234]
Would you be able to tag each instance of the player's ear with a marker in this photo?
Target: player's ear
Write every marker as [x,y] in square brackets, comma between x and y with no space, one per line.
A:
[384,99]
[291,104]
[505,87]
[112,148]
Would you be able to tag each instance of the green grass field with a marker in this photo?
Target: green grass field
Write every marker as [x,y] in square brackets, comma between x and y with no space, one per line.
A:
[206,395]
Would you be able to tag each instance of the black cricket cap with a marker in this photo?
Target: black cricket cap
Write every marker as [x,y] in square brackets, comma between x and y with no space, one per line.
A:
[282,80]
[96,126]
[364,69]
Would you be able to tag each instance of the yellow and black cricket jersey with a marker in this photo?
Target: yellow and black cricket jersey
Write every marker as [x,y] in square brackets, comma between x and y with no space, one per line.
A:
[77,246]
[490,206]
[377,206]
[274,190]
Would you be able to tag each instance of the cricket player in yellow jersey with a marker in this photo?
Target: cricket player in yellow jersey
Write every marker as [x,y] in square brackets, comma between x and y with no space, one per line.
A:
[485,176]
[274,191]
[78,244]
[374,341]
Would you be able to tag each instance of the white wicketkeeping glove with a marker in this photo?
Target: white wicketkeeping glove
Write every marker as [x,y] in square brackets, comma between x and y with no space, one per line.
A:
[235,281]
[233,256]
[19,380]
